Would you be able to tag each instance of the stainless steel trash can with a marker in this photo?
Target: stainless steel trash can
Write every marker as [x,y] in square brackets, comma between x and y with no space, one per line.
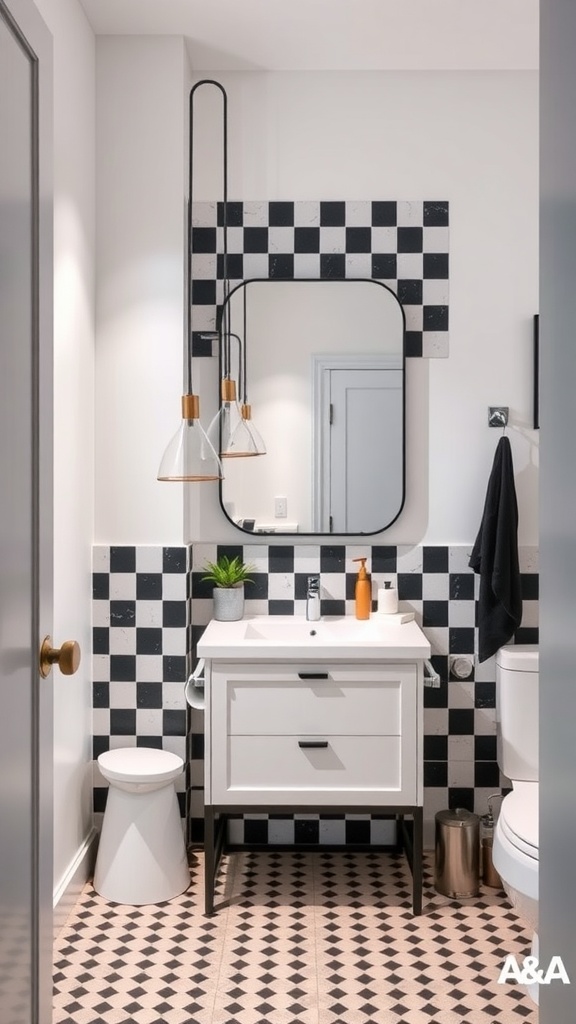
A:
[457,853]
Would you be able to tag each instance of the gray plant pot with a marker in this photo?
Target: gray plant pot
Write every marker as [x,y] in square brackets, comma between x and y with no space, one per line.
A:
[228,603]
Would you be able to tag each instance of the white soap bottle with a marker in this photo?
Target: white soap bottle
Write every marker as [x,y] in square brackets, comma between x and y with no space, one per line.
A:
[387,599]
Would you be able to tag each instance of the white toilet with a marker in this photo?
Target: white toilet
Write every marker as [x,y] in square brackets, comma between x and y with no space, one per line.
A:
[515,852]
[142,854]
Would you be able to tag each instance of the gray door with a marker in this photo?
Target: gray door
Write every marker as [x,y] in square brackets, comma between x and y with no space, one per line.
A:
[25,515]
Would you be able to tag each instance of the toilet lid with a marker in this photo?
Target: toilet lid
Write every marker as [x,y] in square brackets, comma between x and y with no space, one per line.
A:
[519,818]
[140,764]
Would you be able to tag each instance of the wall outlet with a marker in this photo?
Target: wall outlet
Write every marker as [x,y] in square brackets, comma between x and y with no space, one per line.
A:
[280,508]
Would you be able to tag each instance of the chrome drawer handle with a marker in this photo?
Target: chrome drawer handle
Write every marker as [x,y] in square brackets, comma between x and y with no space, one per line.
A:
[312,675]
[306,744]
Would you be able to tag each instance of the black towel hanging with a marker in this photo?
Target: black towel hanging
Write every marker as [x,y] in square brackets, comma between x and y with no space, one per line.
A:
[495,558]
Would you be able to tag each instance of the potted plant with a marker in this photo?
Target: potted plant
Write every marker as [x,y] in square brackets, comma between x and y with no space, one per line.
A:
[229,576]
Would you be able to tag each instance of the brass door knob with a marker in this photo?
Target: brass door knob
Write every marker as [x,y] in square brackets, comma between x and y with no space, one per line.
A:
[66,657]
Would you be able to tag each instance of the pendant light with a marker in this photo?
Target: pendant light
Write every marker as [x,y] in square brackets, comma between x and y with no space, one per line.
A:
[190,456]
[232,432]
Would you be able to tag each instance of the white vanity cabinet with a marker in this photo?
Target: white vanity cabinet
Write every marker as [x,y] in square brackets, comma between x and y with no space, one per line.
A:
[313,734]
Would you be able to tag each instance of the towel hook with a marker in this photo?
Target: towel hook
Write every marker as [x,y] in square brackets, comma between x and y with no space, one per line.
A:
[498,416]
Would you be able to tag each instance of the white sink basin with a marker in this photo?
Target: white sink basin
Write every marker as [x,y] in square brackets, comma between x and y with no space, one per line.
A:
[268,637]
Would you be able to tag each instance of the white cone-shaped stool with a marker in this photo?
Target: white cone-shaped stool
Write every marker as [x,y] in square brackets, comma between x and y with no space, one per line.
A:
[142,854]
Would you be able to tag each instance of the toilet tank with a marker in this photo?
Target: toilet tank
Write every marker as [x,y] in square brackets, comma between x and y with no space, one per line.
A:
[517,711]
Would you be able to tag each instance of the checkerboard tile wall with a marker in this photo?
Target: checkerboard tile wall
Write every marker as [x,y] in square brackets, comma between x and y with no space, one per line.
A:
[402,243]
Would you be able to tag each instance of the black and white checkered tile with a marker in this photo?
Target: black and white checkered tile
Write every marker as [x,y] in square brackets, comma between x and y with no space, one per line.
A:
[403,244]
[300,938]
[140,635]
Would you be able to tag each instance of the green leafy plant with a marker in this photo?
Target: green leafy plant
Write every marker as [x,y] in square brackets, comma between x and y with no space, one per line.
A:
[228,572]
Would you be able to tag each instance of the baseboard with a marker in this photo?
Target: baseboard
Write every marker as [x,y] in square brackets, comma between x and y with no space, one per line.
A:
[68,891]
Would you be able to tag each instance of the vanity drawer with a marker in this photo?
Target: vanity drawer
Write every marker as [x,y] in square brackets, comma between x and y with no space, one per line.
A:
[264,701]
[348,769]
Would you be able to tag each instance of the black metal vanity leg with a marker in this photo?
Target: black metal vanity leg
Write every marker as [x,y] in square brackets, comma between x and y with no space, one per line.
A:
[209,865]
[417,840]
[399,834]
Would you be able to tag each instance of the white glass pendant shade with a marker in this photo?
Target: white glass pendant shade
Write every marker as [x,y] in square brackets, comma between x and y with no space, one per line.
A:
[190,456]
[255,435]
[229,432]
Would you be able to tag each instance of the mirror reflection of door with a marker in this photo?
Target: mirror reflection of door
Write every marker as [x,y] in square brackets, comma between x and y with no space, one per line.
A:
[357,471]
[287,325]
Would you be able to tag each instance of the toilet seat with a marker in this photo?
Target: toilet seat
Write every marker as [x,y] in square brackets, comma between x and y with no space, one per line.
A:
[519,818]
[140,765]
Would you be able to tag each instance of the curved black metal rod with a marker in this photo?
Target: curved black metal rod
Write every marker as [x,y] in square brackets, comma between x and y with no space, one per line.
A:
[226,286]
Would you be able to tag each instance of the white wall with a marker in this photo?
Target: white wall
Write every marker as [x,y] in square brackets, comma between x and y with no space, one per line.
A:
[140,170]
[73,419]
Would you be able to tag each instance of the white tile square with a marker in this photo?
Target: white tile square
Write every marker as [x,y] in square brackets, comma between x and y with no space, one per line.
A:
[306,558]
[439,638]
[196,768]
[255,265]
[202,611]
[281,586]
[101,558]
[173,696]
[174,640]
[435,292]
[149,614]
[281,240]
[528,558]
[485,671]
[149,721]
[530,614]
[383,833]
[149,559]
[122,640]
[101,613]
[460,773]
[410,213]
[414,318]
[204,266]
[461,694]
[358,264]
[100,721]
[101,668]
[256,607]
[435,586]
[485,721]
[307,264]
[149,668]
[436,239]
[116,742]
[384,240]
[435,721]
[202,553]
[459,557]
[235,239]
[257,555]
[358,213]
[332,239]
[307,214]
[332,831]
[174,586]
[460,748]
[435,344]
[410,266]
[333,586]
[122,586]
[122,694]
[461,613]
[280,830]
[204,214]
[196,803]
[204,318]
[435,799]
[255,213]
[409,558]
[176,745]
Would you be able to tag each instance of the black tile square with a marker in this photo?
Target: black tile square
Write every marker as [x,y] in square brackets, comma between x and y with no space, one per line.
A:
[230,551]
[461,586]
[330,606]
[204,344]
[149,586]
[487,774]
[173,668]
[384,266]
[436,696]
[357,832]
[332,266]
[100,640]
[255,831]
[306,831]
[301,585]
[461,640]
[149,695]
[529,581]
[281,559]
[435,214]
[410,586]
[526,635]
[203,291]
[99,798]
[281,215]
[435,559]
[332,558]
[174,614]
[100,745]
[197,746]
[435,318]
[149,742]
[148,640]
[100,586]
[234,214]
[384,214]
[255,239]
[173,723]
[122,613]
[436,749]
[358,239]
[413,344]
[123,722]
[435,265]
[485,695]
[281,266]
[460,722]
[440,665]
[410,239]
[351,579]
[485,748]
[123,559]
[232,271]
[174,560]
[384,559]
[332,215]
[281,607]
[306,239]
[435,773]
[435,613]
[461,796]
[100,695]
[123,667]
[204,240]
[201,588]
[258,589]
[410,292]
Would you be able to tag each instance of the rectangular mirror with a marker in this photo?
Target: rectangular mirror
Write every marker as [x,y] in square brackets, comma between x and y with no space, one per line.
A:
[325,377]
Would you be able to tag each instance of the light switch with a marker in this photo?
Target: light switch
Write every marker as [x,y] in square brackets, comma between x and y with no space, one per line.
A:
[280,508]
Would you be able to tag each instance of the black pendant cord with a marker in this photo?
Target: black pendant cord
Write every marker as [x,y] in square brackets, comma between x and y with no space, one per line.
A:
[226,285]
[243,350]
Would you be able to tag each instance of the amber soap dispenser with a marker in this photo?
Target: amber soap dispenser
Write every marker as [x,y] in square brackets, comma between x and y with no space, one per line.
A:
[363,592]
